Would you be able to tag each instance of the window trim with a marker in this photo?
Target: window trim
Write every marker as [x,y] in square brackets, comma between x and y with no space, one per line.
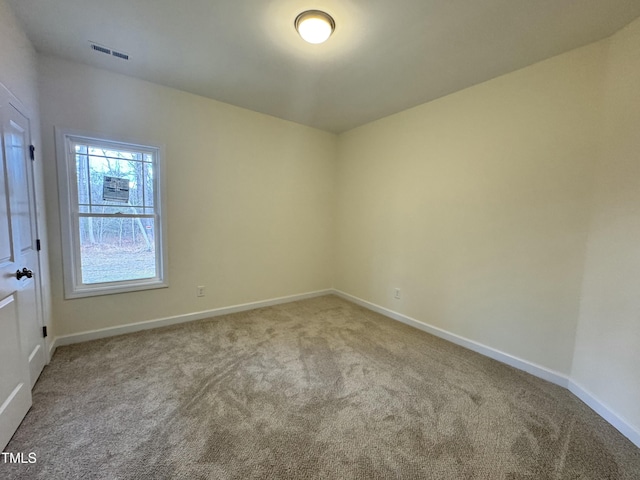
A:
[70,231]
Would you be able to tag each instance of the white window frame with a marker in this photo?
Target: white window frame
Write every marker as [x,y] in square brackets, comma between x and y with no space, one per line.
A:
[69,216]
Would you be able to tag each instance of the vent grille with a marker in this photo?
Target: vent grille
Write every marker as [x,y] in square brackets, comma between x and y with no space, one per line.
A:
[123,56]
[101,49]
[109,51]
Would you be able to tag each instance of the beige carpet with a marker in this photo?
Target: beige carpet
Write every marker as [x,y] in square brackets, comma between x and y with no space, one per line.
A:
[317,389]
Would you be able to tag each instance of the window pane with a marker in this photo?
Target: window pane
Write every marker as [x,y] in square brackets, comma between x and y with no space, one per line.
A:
[82,177]
[100,168]
[135,186]
[148,183]
[116,249]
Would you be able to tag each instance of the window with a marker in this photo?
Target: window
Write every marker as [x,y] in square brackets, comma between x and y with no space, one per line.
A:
[110,207]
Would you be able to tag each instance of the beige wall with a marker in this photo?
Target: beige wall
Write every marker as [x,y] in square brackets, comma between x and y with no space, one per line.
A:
[607,350]
[249,195]
[17,60]
[18,73]
[477,205]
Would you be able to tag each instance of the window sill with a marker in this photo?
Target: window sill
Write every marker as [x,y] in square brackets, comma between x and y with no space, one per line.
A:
[103,289]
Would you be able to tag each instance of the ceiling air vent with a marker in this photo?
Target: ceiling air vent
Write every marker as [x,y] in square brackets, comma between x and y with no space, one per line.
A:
[123,56]
[100,48]
[108,51]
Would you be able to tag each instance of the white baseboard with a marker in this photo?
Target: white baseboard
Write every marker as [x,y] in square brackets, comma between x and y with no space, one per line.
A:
[189,317]
[53,344]
[529,367]
[605,412]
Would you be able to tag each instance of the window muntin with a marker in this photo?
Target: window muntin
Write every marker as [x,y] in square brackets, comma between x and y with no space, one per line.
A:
[112,219]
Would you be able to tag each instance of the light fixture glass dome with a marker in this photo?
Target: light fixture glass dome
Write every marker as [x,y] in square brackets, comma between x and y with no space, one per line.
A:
[315,26]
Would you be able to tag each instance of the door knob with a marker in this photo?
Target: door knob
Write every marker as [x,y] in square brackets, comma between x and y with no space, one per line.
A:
[24,273]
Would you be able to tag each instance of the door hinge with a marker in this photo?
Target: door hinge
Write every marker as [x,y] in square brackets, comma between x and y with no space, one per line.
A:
[32,152]
[44,331]
[38,246]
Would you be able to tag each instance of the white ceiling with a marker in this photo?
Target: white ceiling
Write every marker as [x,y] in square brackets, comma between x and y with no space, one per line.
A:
[385,55]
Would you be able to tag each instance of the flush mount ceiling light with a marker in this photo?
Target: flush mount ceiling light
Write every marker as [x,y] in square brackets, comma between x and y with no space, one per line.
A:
[315,26]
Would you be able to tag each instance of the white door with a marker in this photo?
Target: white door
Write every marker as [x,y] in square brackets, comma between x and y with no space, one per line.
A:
[22,349]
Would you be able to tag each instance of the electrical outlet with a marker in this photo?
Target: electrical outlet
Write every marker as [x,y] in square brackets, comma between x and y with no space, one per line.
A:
[396,293]
[200,291]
